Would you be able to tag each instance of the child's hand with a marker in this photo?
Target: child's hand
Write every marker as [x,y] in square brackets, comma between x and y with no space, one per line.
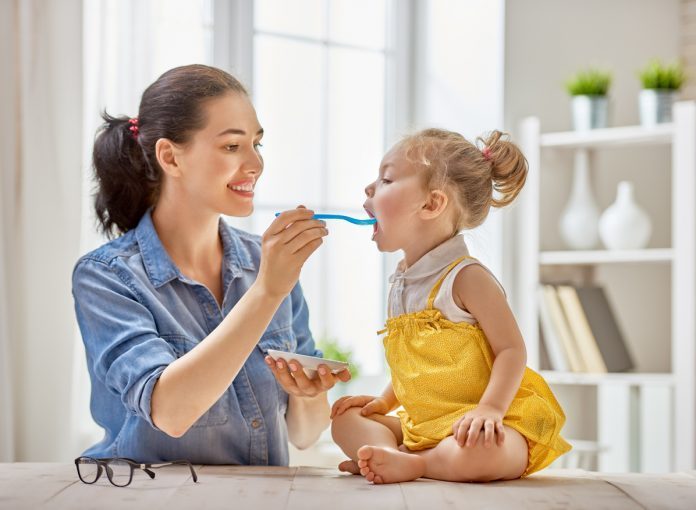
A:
[484,418]
[370,405]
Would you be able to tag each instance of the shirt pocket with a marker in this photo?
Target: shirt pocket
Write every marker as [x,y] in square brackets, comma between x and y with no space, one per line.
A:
[279,340]
[219,413]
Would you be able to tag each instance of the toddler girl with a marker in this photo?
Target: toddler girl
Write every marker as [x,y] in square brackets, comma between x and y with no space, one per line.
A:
[472,410]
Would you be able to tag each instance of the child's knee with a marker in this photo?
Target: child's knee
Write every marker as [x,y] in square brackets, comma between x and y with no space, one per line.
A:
[345,420]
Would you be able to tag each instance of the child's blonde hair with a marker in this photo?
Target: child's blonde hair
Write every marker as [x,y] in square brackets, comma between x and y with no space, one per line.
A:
[467,173]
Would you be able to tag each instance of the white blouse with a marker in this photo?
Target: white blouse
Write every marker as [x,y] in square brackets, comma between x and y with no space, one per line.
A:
[410,288]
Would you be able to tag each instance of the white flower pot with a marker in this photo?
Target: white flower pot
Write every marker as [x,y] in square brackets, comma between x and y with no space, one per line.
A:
[656,106]
[624,225]
[578,223]
[590,112]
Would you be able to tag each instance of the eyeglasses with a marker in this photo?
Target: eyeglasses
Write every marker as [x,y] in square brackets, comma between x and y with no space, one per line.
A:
[119,470]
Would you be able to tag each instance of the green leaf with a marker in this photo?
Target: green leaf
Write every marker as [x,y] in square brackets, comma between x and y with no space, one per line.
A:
[589,82]
[658,75]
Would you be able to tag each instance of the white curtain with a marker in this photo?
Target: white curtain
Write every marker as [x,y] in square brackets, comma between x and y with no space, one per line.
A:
[40,150]
[8,211]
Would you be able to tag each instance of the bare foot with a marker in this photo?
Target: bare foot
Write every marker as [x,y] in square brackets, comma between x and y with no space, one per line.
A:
[386,465]
[349,466]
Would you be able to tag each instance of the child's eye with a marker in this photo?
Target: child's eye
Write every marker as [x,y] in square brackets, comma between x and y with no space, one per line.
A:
[386,181]
[231,148]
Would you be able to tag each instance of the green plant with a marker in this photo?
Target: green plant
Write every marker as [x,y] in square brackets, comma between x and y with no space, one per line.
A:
[332,350]
[589,82]
[657,75]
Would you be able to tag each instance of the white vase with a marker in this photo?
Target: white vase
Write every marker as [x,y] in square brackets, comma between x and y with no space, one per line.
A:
[578,223]
[624,225]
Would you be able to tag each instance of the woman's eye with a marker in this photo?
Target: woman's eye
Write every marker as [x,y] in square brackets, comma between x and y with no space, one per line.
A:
[258,146]
[231,148]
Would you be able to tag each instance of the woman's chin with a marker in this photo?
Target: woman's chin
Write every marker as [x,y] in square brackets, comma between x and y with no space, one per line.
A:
[239,211]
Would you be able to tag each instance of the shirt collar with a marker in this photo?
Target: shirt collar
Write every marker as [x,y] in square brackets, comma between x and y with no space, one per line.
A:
[160,267]
[434,261]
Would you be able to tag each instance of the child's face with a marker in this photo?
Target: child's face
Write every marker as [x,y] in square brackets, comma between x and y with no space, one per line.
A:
[396,199]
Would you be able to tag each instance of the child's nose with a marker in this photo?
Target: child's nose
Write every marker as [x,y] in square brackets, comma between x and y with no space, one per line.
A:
[369,189]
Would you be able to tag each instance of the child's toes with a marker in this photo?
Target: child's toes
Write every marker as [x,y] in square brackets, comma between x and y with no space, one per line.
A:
[370,477]
[365,453]
[362,463]
[365,471]
[349,466]
[378,480]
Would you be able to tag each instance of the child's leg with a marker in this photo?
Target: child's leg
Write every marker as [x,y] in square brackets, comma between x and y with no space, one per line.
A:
[449,461]
[351,431]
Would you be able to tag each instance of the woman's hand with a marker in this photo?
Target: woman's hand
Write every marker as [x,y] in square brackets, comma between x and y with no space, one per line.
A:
[484,418]
[295,381]
[285,246]
[370,405]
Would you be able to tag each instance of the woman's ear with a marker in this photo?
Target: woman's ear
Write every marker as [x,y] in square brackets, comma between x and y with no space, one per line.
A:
[166,152]
[435,204]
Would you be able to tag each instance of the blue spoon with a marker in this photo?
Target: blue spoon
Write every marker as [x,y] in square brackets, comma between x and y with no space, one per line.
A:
[355,221]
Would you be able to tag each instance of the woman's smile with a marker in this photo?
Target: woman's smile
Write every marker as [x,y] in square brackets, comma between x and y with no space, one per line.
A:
[244,188]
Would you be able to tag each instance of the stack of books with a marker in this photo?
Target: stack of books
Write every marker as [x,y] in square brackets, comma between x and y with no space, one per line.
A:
[579,330]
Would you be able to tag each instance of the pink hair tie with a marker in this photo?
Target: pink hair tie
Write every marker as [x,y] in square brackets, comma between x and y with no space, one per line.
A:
[486,151]
[134,127]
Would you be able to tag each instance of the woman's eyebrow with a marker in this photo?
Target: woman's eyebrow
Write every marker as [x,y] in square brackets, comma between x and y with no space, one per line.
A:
[233,131]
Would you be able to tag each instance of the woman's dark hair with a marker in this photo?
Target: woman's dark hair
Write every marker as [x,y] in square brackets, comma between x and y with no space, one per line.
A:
[127,173]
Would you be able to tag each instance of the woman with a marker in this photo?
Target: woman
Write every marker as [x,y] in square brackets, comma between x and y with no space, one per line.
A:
[177,313]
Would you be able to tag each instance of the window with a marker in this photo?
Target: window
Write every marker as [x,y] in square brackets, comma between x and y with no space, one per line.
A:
[323,90]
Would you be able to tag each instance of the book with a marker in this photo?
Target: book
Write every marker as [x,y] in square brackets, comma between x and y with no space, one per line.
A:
[580,327]
[605,328]
[557,357]
[562,329]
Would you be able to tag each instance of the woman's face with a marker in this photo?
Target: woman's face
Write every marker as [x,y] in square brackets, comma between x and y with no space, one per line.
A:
[222,163]
[395,199]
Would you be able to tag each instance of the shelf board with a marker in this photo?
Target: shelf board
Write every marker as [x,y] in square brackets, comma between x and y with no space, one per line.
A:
[591,379]
[575,257]
[608,137]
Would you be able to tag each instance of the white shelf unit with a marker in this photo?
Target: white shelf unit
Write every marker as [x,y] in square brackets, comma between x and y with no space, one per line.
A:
[623,426]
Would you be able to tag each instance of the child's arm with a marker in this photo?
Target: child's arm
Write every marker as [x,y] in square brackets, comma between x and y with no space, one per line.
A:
[476,291]
[383,404]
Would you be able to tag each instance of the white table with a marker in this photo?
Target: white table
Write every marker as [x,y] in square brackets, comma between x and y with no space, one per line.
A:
[52,485]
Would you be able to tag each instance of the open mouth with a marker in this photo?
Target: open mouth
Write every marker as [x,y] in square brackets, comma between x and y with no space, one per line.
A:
[375,226]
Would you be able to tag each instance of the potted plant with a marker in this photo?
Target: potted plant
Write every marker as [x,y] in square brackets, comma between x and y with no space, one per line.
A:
[661,83]
[589,89]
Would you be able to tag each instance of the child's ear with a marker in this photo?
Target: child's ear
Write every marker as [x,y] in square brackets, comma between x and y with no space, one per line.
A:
[167,153]
[435,204]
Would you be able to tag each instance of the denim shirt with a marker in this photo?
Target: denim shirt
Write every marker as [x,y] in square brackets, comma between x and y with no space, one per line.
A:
[137,313]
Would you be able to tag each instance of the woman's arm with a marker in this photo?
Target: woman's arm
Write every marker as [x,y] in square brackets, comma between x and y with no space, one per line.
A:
[307,418]
[189,386]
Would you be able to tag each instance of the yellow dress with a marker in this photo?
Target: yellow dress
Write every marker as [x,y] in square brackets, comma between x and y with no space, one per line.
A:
[439,371]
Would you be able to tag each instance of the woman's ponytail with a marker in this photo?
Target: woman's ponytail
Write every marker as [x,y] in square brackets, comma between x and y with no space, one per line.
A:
[126,185]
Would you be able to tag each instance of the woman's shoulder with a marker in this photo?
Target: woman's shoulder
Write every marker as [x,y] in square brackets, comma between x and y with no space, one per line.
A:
[123,246]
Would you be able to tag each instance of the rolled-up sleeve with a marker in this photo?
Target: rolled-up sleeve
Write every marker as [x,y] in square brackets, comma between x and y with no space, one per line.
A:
[120,336]
[300,324]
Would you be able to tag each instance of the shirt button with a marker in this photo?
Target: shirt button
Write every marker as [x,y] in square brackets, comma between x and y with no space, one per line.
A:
[256,424]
